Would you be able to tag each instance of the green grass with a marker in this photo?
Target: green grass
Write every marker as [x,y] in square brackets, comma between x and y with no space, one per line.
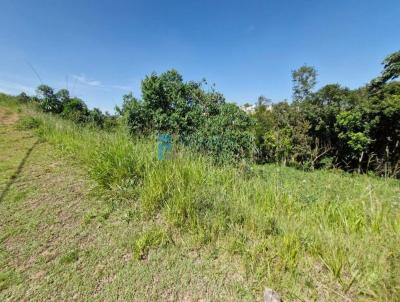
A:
[323,235]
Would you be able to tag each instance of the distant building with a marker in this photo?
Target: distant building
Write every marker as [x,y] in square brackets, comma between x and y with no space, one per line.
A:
[248,108]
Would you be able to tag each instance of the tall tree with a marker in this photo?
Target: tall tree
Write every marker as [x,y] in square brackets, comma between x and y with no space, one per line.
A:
[304,80]
[263,101]
[391,71]
[63,96]
[48,100]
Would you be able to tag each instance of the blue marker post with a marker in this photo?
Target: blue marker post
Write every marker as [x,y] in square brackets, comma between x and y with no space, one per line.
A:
[164,145]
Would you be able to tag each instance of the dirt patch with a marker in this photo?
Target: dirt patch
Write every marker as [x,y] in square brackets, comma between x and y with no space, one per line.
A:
[7,117]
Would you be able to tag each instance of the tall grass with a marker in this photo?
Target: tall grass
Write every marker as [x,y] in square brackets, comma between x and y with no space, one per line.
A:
[323,235]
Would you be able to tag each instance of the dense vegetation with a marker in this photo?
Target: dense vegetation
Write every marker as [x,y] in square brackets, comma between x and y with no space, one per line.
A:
[335,126]
[322,235]
[355,130]
[68,107]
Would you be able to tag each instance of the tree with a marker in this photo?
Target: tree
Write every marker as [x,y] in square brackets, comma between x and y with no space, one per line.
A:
[198,118]
[63,96]
[391,71]
[128,101]
[24,98]
[304,80]
[263,101]
[75,109]
[48,100]
[226,136]
[97,117]
[264,122]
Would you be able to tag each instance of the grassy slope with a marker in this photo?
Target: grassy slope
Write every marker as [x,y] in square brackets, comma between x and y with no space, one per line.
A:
[183,229]
[60,242]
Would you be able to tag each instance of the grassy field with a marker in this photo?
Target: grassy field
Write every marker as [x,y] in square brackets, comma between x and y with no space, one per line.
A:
[90,215]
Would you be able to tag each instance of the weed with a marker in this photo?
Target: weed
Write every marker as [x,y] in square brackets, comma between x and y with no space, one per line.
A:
[29,122]
[152,238]
[70,257]
[8,279]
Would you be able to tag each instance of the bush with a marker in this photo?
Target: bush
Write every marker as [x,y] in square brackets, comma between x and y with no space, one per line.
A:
[29,122]
[199,119]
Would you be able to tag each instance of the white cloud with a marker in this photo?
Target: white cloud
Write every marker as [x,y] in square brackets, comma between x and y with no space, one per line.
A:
[15,87]
[122,87]
[94,83]
[84,80]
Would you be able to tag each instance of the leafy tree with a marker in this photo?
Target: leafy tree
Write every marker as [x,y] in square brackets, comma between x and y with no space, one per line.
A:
[75,109]
[110,122]
[226,136]
[263,101]
[48,100]
[264,122]
[190,113]
[23,97]
[391,71]
[63,96]
[304,80]
[321,109]
[353,136]
[282,134]
[97,117]
[128,100]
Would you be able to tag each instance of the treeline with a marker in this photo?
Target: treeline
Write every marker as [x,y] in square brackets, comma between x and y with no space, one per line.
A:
[72,108]
[355,130]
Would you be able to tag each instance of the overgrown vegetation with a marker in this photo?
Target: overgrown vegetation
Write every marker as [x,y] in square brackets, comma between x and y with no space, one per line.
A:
[71,108]
[320,235]
[355,130]
[197,118]
[290,229]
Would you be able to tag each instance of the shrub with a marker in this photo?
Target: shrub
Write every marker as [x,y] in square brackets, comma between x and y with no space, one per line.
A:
[199,119]
[29,122]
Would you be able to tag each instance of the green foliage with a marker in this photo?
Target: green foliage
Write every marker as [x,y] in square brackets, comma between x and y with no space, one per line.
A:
[116,160]
[76,110]
[281,224]
[23,98]
[29,122]
[282,134]
[304,80]
[70,257]
[391,71]
[152,238]
[357,130]
[226,136]
[9,278]
[48,100]
[200,119]
[351,131]
[71,108]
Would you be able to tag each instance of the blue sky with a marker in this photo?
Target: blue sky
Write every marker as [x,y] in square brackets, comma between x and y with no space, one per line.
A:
[101,50]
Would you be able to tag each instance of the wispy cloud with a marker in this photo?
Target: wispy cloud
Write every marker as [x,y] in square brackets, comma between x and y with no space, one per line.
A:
[121,87]
[86,81]
[11,87]
[83,79]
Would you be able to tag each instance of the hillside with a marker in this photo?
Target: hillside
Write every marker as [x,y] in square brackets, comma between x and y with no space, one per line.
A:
[87,214]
